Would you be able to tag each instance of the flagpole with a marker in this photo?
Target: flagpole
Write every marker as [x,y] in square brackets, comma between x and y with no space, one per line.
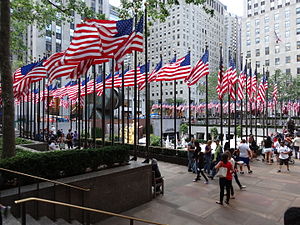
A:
[263,113]
[94,107]
[241,100]
[34,112]
[85,112]
[206,98]
[147,89]
[246,106]
[235,107]
[70,114]
[31,112]
[112,102]
[190,114]
[256,102]
[275,102]
[79,111]
[119,121]
[221,100]
[135,101]
[20,118]
[123,106]
[251,131]
[267,128]
[23,120]
[103,106]
[175,115]
[138,115]
[48,115]
[128,102]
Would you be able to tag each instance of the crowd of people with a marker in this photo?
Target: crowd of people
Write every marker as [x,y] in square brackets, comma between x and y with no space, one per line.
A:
[227,163]
[57,139]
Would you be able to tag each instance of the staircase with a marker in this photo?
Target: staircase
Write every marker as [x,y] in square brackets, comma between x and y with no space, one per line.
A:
[11,220]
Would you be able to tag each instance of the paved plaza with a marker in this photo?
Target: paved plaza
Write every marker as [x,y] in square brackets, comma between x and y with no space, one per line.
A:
[267,196]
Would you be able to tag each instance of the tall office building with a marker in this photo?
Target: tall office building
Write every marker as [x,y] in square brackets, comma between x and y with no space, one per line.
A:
[271,35]
[188,28]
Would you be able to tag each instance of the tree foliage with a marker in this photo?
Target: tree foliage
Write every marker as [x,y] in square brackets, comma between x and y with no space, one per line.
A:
[157,10]
[212,84]
[42,13]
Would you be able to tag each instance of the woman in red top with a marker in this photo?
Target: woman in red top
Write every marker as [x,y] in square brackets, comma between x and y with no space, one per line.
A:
[225,181]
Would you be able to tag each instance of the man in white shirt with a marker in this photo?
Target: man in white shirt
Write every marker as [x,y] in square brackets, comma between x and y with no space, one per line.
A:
[283,156]
[245,155]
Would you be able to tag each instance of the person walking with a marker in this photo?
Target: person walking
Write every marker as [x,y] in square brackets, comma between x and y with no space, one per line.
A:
[296,145]
[284,152]
[225,182]
[268,149]
[199,161]
[244,155]
[207,157]
[216,158]
[69,139]
[191,150]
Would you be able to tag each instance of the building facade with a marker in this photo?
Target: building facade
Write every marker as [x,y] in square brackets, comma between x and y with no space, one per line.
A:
[188,28]
[271,35]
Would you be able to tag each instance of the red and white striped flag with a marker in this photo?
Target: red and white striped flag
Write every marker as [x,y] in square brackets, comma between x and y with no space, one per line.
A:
[275,94]
[242,82]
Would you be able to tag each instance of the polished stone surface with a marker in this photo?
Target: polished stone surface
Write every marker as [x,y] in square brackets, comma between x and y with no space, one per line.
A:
[267,196]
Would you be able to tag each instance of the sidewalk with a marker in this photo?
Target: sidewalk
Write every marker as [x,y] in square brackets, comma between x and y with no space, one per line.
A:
[267,196]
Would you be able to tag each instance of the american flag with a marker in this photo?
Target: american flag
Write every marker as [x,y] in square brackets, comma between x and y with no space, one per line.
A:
[152,76]
[262,90]
[142,76]
[133,43]
[232,80]
[220,79]
[27,75]
[200,70]
[253,85]
[129,76]
[175,70]
[249,84]
[242,82]
[275,94]
[97,39]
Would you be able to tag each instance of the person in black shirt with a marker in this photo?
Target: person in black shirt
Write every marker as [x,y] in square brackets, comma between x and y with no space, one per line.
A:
[199,160]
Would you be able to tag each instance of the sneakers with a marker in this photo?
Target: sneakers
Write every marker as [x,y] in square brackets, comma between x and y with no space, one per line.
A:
[189,170]
[250,171]
[242,187]
[196,179]
[278,171]
[242,172]
[220,203]
[205,182]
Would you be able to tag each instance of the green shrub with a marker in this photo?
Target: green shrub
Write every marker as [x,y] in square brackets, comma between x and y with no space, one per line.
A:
[57,164]
[154,140]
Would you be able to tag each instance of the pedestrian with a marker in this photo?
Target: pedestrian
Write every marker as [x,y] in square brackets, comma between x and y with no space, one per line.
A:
[61,141]
[69,139]
[296,145]
[199,161]
[75,139]
[283,156]
[225,182]
[191,150]
[244,155]
[253,146]
[207,157]
[216,158]
[268,151]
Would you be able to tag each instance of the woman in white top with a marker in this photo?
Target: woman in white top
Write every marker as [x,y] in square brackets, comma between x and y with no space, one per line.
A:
[296,144]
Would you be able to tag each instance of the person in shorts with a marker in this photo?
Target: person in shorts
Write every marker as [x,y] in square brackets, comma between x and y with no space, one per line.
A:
[244,156]
[283,156]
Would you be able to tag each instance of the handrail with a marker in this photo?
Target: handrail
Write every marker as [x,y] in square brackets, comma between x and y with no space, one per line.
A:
[86,209]
[45,179]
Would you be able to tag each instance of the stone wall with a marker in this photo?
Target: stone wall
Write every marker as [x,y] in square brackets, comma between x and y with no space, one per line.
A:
[115,190]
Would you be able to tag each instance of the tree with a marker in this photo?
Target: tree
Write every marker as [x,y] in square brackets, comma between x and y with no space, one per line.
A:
[184,128]
[16,15]
[212,84]
[7,82]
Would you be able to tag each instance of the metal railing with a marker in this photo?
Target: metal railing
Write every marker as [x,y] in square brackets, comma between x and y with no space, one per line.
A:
[55,183]
[129,218]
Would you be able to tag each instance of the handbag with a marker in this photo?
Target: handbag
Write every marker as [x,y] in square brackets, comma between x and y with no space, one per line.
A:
[222,172]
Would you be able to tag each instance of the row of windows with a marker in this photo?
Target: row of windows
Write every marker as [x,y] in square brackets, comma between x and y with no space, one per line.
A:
[277,61]
[168,93]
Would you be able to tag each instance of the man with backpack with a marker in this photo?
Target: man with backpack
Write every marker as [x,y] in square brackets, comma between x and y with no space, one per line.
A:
[69,139]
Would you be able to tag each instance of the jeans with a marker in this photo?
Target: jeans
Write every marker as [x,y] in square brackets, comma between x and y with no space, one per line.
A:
[296,148]
[191,160]
[207,163]
[224,183]
[200,170]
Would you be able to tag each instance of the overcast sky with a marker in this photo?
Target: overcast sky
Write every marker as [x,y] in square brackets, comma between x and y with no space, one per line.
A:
[233,6]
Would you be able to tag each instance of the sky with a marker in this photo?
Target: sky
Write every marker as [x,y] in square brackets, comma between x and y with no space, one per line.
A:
[233,6]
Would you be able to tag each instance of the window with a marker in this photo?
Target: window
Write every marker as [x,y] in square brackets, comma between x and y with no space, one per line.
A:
[277,49]
[298,30]
[298,44]
[248,54]
[298,58]
[277,61]
[248,26]
[288,47]
[257,40]
[267,62]
[298,21]
[256,31]
[267,29]
[257,52]
[288,71]
[248,34]
[267,19]
[257,22]
[48,46]
[267,50]
[288,59]
[262,3]
[287,24]
[248,42]
[276,26]
[298,10]
[257,63]
[287,14]
[298,71]
[287,34]
[255,5]
[267,39]
[276,16]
